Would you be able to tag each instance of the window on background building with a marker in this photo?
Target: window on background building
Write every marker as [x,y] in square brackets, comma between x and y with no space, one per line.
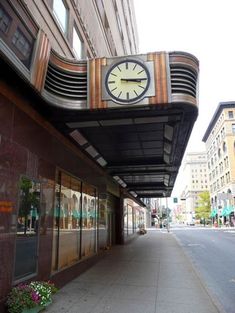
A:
[223,132]
[224,147]
[78,45]
[226,162]
[230,114]
[233,128]
[212,161]
[61,13]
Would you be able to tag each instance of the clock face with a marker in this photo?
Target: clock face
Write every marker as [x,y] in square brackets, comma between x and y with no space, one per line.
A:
[127,81]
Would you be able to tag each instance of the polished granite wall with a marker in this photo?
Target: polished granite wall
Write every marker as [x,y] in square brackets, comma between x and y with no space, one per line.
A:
[31,147]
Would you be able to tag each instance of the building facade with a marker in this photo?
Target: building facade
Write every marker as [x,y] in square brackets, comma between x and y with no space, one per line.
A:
[58,209]
[220,148]
[195,181]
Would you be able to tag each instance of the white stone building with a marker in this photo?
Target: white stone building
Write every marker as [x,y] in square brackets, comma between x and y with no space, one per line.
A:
[194,182]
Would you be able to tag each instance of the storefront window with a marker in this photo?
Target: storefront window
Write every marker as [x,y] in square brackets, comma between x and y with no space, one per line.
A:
[125,221]
[27,229]
[89,218]
[67,215]
[102,223]
[130,219]
[75,221]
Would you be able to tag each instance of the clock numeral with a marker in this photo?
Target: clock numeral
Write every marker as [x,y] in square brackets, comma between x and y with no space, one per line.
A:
[127,96]
[136,93]
[140,72]
[141,86]
[114,74]
[134,67]
[119,69]
[127,65]
[113,89]
[111,82]
[119,94]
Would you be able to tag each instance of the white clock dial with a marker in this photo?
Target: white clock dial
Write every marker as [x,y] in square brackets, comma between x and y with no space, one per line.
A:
[127,81]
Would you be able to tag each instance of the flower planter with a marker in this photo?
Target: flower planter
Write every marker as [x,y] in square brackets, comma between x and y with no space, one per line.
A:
[36,309]
[33,297]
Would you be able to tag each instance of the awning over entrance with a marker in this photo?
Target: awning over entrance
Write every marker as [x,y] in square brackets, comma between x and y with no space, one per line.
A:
[214,212]
[227,210]
[139,140]
[141,145]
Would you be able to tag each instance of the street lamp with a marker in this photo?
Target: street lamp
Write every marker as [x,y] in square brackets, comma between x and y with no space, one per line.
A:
[167,215]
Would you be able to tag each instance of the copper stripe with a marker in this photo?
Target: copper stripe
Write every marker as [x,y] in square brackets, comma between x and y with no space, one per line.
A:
[41,61]
[80,66]
[92,83]
[160,74]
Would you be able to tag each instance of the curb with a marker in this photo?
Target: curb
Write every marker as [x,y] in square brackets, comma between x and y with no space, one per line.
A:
[211,295]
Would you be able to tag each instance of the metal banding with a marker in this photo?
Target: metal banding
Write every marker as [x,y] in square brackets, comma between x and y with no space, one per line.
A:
[66,84]
[183,80]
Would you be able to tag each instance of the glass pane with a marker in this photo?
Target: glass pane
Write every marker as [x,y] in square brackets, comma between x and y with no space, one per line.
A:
[77,44]
[89,220]
[56,223]
[69,241]
[125,220]
[67,221]
[130,219]
[103,235]
[60,12]
[27,228]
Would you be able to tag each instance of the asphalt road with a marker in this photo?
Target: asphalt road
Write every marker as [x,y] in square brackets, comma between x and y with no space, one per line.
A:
[212,252]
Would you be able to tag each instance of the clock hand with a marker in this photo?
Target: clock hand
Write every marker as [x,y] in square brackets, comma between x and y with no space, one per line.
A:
[138,80]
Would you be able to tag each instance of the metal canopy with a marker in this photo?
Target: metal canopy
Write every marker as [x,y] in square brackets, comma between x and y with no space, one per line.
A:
[140,148]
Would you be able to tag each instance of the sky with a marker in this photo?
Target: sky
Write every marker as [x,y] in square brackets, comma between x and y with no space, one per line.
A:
[204,28]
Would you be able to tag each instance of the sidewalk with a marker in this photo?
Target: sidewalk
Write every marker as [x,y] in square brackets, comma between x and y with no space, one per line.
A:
[149,275]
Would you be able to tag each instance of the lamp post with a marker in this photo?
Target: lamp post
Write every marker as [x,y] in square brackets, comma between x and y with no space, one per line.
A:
[167,216]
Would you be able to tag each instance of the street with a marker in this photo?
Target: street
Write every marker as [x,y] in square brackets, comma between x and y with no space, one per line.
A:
[212,251]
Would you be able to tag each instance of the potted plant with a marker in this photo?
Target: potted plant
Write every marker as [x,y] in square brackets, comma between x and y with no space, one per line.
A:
[30,298]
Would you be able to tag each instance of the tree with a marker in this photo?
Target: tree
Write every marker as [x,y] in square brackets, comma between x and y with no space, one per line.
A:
[29,199]
[204,208]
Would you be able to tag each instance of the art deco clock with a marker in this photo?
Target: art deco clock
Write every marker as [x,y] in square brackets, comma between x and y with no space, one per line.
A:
[127,81]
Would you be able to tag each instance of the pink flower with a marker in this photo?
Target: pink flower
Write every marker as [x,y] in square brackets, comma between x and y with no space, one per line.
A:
[35,297]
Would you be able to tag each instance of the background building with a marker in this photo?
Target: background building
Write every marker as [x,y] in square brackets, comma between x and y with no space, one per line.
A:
[220,148]
[194,181]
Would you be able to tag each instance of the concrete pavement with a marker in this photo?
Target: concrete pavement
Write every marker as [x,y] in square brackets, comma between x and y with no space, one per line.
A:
[150,275]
